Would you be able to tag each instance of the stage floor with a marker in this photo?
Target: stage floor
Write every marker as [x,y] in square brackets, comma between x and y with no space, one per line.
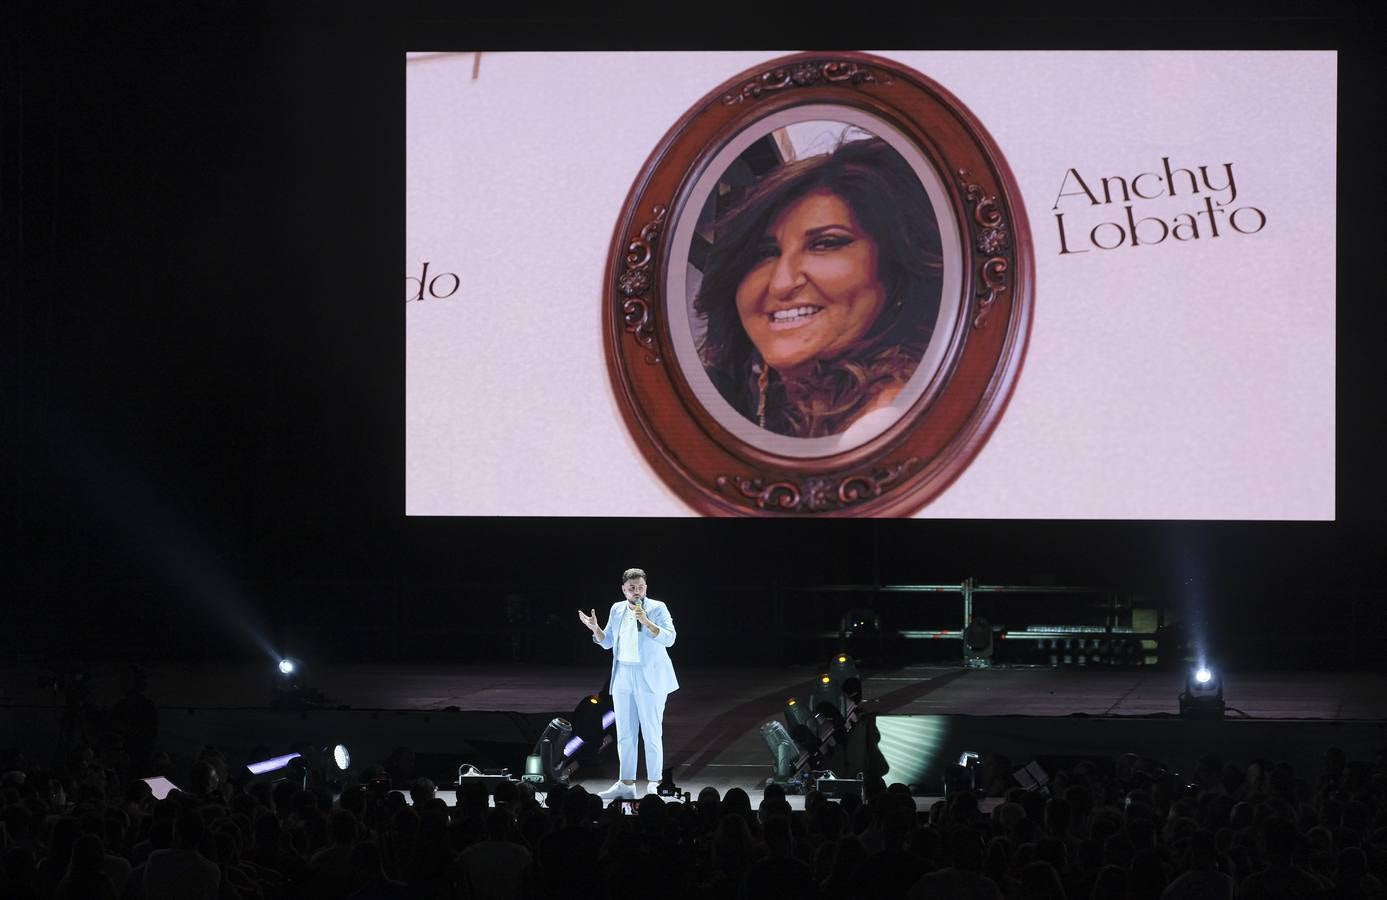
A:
[712,722]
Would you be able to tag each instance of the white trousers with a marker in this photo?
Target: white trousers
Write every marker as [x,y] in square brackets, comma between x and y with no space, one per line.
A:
[639,713]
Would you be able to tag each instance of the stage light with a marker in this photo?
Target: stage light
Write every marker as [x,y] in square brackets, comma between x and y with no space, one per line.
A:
[826,697]
[288,676]
[550,763]
[804,728]
[329,763]
[786,757]
[843,675]
[977,644]
[859,633]
[859,622]
[965,776]
[592,728]
[306,763]
[796,714]
[273,764]
[289,688]
[1032,777]
[1203,694]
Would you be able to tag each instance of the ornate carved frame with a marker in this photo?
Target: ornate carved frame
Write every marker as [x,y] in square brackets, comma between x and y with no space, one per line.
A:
[909,464]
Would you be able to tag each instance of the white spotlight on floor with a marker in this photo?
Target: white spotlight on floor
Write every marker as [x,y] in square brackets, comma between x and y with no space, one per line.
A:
[341,757]
[286,667]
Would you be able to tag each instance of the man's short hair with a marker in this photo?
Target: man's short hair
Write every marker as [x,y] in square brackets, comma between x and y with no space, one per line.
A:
[632,573]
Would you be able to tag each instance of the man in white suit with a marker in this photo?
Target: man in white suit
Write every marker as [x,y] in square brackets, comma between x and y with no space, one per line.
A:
[638,631]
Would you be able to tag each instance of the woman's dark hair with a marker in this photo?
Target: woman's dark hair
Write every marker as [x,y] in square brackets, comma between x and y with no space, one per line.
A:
[890,204]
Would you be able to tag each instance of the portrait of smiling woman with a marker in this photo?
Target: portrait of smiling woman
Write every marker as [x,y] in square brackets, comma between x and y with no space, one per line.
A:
[821,290]
[818,293]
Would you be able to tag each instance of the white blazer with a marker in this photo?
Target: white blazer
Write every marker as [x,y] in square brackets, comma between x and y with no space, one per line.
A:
[655,664]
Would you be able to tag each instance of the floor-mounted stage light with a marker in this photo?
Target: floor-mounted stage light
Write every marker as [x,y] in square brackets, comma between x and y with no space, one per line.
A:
[787,758]
[328,763]
[270,766]
[843,670]
[307,764]
[551,762]
[341,757]
[859,633]
[842,667]
[796,713]
[838,700]
[977,644]
[1203,694]
[826,695]
[592,718]
[813,734]
[966,775]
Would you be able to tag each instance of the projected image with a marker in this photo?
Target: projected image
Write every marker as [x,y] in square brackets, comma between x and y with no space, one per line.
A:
[813,281]
[936,284]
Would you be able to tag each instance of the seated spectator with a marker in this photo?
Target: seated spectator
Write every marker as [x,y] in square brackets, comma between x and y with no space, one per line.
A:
[422,789]
[779,874]
[964,879]
[86,877]
[709,805]
[271,849]
[369,876]
[1111,884]
[737,802]
[1282,876]
[182,871]
[892,870]
[729,858]
[1201,878]
[566,856]
[62,837]
[848,854]
[17,874]
[1040,881]
[1352,878]
[331,867]
[497,866]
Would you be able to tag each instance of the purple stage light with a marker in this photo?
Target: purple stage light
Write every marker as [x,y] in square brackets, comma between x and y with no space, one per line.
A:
[608,718]
[271,765]
[572,746]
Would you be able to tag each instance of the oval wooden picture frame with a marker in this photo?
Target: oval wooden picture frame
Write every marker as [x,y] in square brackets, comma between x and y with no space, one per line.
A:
[718,463]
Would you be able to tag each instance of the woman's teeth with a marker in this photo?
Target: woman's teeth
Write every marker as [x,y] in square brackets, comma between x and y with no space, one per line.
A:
[792,316]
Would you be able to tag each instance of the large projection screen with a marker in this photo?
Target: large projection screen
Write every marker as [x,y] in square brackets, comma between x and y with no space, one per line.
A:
[1175,360]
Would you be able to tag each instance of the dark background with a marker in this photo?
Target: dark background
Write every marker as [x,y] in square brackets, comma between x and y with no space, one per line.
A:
[203,372]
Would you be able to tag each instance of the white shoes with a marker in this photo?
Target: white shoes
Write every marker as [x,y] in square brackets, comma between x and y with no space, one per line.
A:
[619,790]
